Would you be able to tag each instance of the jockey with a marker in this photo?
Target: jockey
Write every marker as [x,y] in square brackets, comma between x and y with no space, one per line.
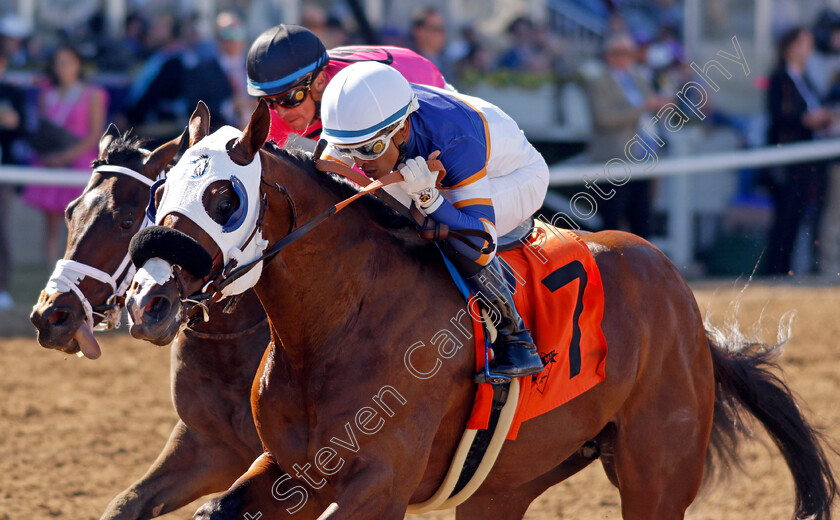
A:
[494,178]
[289,67]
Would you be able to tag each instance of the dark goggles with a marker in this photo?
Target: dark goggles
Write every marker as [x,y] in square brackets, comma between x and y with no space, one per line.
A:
[293,97]
[373,149]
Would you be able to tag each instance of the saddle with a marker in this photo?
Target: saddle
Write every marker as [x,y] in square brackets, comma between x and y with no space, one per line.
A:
[564,317]
[557,289]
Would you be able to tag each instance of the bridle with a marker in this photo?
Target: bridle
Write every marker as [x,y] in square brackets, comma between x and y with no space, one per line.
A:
[70,272]
[231,273]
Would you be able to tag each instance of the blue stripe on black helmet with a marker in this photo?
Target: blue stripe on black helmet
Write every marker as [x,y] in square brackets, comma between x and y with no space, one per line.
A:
[281,56]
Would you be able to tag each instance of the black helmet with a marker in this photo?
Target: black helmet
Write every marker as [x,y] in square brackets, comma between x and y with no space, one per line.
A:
[281,56]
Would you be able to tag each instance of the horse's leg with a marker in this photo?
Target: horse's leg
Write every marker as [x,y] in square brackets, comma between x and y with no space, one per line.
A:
[191,465]
[662,437]
[266,491]
[512,504]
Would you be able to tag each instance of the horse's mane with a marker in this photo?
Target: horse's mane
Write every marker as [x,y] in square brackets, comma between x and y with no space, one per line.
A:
[121,150]
[343,188]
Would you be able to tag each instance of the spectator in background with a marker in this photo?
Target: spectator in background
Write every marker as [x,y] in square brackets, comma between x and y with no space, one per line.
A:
[197,45]
[185,68]
[230,38]
[204,78]
[823,67]
[136,29]
[337,35]
[12,117]
[618,98]
[795,115]
[669,13]
[13,34]
[155,101]
[476,59]
[314,18]
[526,53]
[665,57]
[124,53]
[328,29]
[77,110]
[428,38]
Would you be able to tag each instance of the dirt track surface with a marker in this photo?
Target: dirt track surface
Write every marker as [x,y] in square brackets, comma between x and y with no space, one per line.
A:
[74,433]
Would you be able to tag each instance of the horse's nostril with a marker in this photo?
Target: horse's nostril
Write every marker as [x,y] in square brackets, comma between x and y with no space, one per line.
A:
[58,317]
[157,307]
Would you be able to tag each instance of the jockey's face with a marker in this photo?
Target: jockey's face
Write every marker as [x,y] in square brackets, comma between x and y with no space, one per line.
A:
[303,115]
[387,162]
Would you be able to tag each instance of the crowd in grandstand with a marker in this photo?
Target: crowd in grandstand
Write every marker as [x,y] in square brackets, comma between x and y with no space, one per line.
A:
[59,88]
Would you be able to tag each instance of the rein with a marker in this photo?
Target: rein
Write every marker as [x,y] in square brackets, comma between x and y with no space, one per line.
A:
[70,272]
[428,229]
[228,276]
[225,336]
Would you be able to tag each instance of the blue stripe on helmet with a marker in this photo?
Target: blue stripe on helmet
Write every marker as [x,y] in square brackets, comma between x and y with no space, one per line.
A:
[393,118]
[291,79]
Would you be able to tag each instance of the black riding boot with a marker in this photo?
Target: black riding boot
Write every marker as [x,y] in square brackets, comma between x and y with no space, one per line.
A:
[515,354]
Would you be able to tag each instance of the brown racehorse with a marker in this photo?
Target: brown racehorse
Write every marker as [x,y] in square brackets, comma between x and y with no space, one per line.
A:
[213,364]
[343,424]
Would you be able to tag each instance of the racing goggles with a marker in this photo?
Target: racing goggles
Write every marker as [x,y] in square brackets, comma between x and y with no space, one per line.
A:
[293,97]
[373,149]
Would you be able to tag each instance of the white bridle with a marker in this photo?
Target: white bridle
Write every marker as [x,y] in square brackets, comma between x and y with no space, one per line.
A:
[69,273]
[201,165]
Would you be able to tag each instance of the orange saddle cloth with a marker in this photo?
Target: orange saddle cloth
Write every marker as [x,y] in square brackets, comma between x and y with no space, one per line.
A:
[561,299]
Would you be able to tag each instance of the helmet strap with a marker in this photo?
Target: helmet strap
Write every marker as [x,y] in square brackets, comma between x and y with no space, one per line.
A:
[403,146]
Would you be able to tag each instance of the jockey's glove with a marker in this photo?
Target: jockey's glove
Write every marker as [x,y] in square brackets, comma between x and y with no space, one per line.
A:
[419,184]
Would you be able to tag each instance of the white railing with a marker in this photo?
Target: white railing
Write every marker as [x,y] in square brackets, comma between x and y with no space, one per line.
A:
[678,242]
[559,174]
[564,175]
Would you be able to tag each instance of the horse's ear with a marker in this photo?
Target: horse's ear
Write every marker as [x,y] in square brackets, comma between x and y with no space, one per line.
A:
[107,138]
[158,160]
[185,144]
[199,123]
[253,138]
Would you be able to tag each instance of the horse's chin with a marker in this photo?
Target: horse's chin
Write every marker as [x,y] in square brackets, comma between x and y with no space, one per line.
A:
[83,334]
[158,335]
[70,347]
[56,318]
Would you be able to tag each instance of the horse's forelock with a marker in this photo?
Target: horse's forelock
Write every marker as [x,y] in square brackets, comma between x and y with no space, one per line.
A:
[121,150]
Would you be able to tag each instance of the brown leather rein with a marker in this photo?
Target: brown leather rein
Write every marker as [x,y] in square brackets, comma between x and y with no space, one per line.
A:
[228,274]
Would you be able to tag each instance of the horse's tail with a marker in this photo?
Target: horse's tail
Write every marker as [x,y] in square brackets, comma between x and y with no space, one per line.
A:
[744,382]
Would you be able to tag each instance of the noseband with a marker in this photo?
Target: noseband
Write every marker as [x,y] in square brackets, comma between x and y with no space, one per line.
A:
[70,273]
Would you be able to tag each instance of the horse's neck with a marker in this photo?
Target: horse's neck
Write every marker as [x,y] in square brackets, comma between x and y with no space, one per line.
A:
[315,289]
[247,313]
[229,346]
[344,302]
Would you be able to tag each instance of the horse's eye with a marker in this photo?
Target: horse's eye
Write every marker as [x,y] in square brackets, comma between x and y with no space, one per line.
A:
[221,202]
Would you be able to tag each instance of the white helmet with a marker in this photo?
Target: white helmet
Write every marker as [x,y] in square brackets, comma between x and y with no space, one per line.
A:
[363,99]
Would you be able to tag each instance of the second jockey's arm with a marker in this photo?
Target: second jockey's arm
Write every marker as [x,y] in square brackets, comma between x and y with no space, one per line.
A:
[474,216]
[467,205]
